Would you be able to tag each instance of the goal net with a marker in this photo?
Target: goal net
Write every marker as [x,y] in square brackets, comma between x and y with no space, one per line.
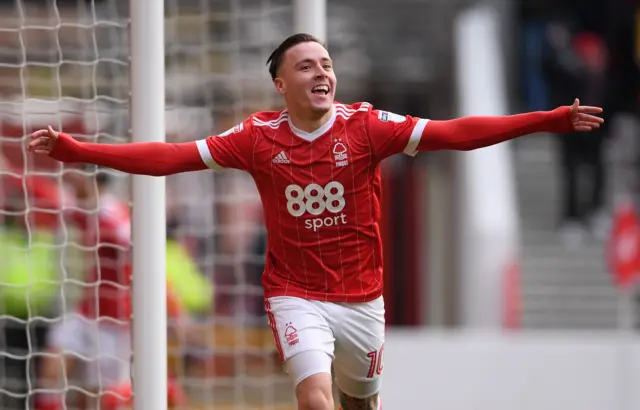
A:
[65,63]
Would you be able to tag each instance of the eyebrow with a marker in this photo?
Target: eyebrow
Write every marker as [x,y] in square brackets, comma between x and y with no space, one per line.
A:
[308,60]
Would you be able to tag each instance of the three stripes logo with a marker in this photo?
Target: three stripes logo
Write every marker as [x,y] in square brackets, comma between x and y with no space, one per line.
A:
[281,158]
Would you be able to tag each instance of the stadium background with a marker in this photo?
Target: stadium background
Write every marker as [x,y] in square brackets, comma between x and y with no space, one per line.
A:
[566,339]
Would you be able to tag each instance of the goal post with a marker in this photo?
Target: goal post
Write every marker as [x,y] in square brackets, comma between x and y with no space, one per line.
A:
[310,16]
[149,292]
[148,195]
[488,249]
[119,71]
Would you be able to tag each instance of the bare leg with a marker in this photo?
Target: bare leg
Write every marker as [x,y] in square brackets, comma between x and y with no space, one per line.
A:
[314,393]
[352,403]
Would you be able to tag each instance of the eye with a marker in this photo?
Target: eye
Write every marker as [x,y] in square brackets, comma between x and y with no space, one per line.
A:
[327,67]
[305,67]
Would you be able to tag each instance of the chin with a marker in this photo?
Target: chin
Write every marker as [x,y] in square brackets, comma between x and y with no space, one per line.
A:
[322,108]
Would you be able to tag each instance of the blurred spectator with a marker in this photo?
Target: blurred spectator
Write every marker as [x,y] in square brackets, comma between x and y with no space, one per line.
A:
[623,102]
[623,41]
[103,223]
[27,296]
[535,15]
[238,220]
[190,286]
[575,65]
[98,330]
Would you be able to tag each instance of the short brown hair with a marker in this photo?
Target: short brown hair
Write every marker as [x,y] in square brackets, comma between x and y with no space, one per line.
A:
[275,59]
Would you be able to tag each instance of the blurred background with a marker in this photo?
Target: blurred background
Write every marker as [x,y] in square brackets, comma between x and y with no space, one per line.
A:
[509,272]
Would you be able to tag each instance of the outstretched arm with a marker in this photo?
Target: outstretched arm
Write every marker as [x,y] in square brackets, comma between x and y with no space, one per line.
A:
[470,133]
[145,158]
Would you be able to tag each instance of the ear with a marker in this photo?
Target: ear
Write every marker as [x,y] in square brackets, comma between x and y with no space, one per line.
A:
[280,86]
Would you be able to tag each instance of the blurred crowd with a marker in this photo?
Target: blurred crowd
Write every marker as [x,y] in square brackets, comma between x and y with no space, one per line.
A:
[588,49]
[216,76]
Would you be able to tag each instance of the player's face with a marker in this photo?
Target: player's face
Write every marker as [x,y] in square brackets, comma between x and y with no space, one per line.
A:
[307,79]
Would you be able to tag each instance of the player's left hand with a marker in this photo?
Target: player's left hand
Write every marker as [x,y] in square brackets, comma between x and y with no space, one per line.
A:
[582,118]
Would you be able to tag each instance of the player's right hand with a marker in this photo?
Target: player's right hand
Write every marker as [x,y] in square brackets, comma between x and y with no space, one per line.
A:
[43,141]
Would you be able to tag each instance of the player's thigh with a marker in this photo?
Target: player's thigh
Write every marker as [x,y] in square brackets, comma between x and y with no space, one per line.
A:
[359,353]
[299,327]
[311,371]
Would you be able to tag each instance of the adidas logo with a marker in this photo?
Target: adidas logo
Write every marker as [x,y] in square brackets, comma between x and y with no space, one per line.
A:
[281,158]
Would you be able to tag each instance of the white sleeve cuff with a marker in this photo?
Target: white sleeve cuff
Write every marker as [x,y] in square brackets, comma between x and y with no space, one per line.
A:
[412,146]
[207,158]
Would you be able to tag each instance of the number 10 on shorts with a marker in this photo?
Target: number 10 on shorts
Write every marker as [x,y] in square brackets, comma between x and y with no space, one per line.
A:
[375,366]
[315,199]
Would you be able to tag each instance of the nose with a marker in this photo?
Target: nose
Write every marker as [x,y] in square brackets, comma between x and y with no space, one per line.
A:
[320,73]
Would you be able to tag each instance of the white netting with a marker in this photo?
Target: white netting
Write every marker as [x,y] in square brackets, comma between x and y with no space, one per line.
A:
[52,72]
[66,64]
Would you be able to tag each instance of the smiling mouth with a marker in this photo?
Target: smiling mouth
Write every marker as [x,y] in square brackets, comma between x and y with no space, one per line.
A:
[320,89]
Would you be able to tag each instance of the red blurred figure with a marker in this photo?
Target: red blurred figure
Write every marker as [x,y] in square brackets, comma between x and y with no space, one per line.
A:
[119,397]
[99,328]
[624,246]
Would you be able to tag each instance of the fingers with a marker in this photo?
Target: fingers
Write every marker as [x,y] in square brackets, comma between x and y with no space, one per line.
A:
[591,125]
[50,132]
[39,133]
[587,109]
[41,141]
[584,120]
[590,118]
[38,143]
[586,125]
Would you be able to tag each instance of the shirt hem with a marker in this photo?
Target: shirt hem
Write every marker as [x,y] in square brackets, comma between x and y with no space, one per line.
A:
[325,297]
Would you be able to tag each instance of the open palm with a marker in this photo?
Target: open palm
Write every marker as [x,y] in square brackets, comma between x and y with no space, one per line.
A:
[43,141]
[583,118]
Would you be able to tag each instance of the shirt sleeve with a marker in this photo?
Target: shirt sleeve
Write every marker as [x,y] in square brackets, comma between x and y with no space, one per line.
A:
[391,133]
[231,149]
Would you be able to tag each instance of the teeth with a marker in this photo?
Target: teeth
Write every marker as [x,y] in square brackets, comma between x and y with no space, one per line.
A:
[322,88]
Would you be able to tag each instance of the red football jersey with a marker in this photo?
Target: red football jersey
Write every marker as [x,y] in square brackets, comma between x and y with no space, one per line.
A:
[321,195]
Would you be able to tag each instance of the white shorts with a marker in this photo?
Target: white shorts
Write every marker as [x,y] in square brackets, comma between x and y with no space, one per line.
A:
[351,335]
[102,349]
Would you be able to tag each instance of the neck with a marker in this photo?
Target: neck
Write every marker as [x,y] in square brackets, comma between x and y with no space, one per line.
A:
[309,123]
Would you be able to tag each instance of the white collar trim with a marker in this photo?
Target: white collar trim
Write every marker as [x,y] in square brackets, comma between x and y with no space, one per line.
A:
[310,136]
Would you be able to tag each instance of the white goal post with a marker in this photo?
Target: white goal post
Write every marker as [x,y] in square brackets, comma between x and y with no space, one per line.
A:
[115,71]
[149,217]
[149,291]
[489,233]
[310,16]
